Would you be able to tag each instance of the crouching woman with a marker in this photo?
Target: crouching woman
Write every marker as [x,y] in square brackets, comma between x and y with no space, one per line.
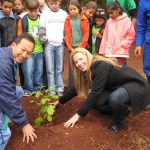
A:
[115,89]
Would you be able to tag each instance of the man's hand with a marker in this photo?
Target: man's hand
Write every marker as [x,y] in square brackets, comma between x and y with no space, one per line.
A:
[137,51]
[71,122]
[28,133]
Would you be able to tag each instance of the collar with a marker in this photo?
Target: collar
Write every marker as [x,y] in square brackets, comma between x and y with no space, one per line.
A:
[15,62]
[11,15]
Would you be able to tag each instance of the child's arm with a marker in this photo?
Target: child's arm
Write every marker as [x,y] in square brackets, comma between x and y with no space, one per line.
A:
[98,35]
[67,33]
[86,31]
[42,34]
[104,40]
[42,28]
[19,30]
[129,37]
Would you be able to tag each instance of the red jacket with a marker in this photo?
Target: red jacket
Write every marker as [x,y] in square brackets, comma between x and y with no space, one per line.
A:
[84,29]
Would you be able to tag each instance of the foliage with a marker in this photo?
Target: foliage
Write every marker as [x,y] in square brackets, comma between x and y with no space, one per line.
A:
[101,3]
[47,110]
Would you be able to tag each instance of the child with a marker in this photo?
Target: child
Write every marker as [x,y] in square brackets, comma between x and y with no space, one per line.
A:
[52,23]
[118,35]
[8,23]
[18,7]
[19,13]
[90,10]
[32,67]
[97,31]
[76,31]
[43,5]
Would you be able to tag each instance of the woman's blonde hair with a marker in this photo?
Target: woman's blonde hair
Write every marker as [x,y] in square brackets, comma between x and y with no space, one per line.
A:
[83,80]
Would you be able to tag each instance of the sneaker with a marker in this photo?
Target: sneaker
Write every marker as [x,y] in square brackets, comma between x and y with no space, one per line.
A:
[60,94]
[52,93]
[27,94]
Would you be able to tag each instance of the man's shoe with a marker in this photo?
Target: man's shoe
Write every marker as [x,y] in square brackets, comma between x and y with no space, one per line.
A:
[52,93]
[27,94]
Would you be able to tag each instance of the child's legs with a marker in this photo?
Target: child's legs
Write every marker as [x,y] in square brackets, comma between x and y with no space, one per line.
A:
[4,138]
[44,72]
[49,58]
[38,71]
[19,92]
[28,70]
[59,63]
[146,60]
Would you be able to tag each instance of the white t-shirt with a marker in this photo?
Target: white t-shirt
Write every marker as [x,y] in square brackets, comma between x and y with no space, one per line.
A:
[54,24]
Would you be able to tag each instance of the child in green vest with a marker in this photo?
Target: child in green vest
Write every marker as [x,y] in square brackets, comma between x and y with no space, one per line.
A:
[97,31]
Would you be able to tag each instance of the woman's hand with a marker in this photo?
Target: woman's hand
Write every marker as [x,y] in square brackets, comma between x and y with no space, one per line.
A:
[28,133]
[71,122]
[55,103]
[137,51]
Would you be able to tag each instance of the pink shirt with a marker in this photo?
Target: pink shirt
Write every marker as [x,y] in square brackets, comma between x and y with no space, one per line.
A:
[118,36]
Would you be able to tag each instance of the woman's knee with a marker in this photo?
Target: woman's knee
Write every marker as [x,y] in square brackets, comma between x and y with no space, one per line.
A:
[118,97]
[114,99]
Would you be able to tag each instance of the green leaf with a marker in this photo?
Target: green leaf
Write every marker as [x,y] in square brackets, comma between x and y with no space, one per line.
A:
[42,87]
[38,104]
[55,97]
[49,118]
[44,116]
[50,110]
[43,110]
[44,100]
[32,93]
[38,94]
[46,91]
[38,121]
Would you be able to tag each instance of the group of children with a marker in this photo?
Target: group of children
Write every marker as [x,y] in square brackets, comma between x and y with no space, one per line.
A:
[52,29]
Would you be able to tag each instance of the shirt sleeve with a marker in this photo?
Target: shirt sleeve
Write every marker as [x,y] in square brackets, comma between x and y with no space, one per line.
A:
[104,40]
[8,100]
[141,25]
[42,21]
[130,35]
[130,4]
[100,76]
[69,94]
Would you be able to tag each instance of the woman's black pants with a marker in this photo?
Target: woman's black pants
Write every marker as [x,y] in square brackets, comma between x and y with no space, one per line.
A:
[115,102]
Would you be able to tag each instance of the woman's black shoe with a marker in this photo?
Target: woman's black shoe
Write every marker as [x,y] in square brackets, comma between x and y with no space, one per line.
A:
[115,127]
